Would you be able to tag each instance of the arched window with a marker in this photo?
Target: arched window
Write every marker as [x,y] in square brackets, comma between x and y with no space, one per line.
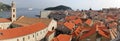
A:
[33,36]
[37,34]
[17,39]
[13,10]
[23,39]
[52,28]
[13,15]
[28,37]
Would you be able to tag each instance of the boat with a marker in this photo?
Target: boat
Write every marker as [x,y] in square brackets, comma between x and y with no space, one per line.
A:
[30,8]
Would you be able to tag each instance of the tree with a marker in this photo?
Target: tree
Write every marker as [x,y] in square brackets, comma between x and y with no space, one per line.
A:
[60,7]
[4,7]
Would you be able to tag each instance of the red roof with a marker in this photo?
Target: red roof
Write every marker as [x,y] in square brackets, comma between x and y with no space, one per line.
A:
[21,31]
[78,30]
[89,21]
[103,33]
[101,30]
[49,33]
[70,17]
[109,19]
[91,32]
[113,24]
[5,20]
[77,21]
[69,25]
[60,23]
[62,37]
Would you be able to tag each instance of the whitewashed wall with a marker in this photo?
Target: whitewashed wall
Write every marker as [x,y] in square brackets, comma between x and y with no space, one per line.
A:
[5,25]
[30,37]
[52,24]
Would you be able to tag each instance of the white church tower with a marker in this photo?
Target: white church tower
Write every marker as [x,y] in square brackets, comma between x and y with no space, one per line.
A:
[13,11]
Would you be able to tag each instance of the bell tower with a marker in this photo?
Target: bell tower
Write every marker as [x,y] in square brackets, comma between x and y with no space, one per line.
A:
[13,11]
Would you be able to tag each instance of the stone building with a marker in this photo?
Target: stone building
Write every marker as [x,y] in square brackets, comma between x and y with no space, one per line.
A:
[5,22]
[26,28]
[33,32]
[44,14]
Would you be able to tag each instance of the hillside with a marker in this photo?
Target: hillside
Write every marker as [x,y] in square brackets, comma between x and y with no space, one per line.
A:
[60,7]
[4,7]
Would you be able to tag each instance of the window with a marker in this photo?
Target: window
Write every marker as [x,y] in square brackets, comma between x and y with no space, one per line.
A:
[13,15]
[40,32]
[13,10]
[33,36]
[28,37]
[17,39]
[52,28]
[37,34]
[23,39]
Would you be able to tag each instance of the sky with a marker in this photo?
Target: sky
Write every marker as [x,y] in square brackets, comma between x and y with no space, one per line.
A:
[74,4]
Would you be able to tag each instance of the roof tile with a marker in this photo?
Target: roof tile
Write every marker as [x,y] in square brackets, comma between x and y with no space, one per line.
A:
[69,25]
[21,31]
[77,21]
[62,37]
[5,20]
[89,21]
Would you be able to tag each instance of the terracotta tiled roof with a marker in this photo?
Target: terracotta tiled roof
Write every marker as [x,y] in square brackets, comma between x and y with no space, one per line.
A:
[24,21]
[62,37]
[5,20]
[60,23]
[77,21]
[109,19]
[55,39]
[69,25]
[49,33]
[89,21]
[70,17]
[21,31]
[91,32]
[103,33]
[113,24]
[78,30]
[102,30]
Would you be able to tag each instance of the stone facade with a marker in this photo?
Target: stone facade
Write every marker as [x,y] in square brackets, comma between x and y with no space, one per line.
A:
[13,11]
[52,25]
[5,25]
[44,14]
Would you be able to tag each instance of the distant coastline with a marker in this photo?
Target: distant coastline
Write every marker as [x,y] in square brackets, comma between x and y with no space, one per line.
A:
[4,7]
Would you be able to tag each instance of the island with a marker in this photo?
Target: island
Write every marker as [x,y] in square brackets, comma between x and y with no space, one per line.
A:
[4,7]
[60,7]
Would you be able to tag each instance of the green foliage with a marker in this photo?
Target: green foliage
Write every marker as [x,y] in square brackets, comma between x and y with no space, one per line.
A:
[60,7]
[4,7]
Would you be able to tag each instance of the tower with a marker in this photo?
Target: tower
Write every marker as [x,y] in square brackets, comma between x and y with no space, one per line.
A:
[13,11]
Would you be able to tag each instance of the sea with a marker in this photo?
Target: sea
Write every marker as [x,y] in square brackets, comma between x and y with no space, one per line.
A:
[21,12]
